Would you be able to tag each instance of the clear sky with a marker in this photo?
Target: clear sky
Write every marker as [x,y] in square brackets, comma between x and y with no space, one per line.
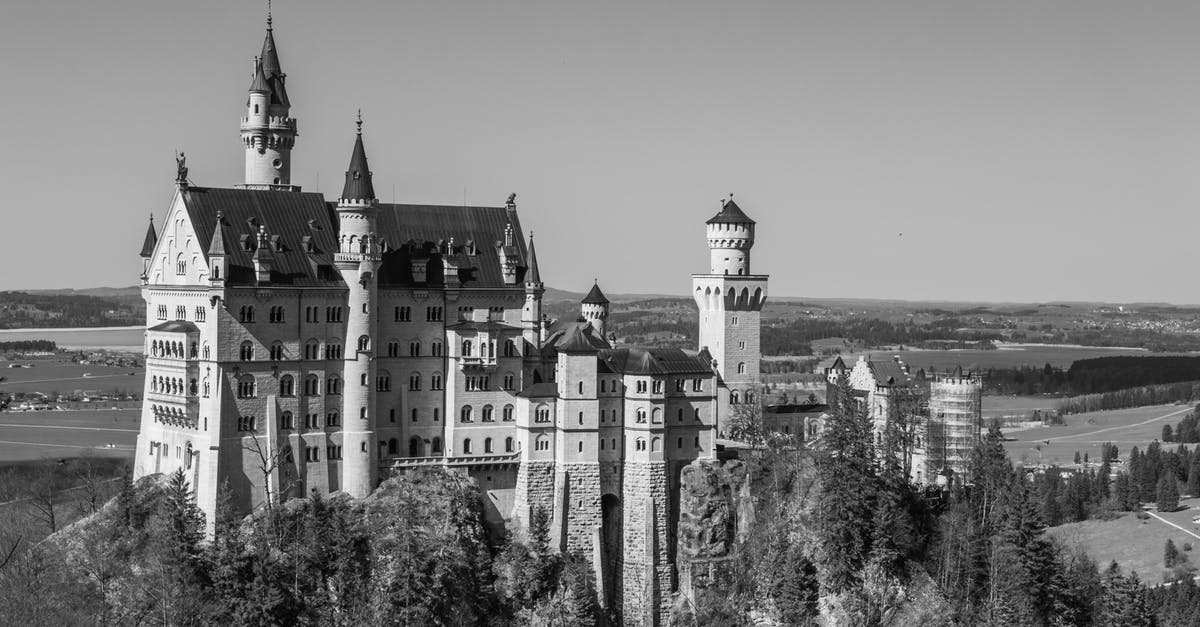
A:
[1019,151]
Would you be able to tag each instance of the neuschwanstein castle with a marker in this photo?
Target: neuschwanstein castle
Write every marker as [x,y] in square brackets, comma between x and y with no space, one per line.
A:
[296,343]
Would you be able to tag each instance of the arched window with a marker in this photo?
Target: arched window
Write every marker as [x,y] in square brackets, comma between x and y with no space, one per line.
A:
[435,381]
[286,420]
[509,381]
[393,447]
[247,351]
[508,444]
[655,445]
[543,414]
[465,414]
[641,444]
[486,415]
[287,386]
[246,386]
[437,446]
[466,348]
[333,385]
[362,413]
[364,343]
[310,385]
[415,447]
[383,382]
[487,445]
[180,264]
[542,443]
[466,445]
[414,381]
[414,348]
[749,396]
[641,415]
[733,398]
[507,414]
[435,348]
[656,415]
[741,367]
[276,350]
[510,348]
[246,313]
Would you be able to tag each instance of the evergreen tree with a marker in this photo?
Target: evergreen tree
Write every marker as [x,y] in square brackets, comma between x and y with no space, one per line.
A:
[1102,479]
[844,510]
[1121,492]
[1170,554]
[1193,479]
[1166,433]
[1168,493]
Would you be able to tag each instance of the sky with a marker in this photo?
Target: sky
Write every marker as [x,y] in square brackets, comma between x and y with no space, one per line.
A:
[1015,151]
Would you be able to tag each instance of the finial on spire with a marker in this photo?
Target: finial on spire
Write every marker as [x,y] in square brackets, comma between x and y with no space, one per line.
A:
[358,122]
[268,14]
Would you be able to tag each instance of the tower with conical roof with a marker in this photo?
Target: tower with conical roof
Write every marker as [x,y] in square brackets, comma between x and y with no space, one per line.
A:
[358,260]
[268,129]
[594,309]
[148,246]
[730,299]
[531,312]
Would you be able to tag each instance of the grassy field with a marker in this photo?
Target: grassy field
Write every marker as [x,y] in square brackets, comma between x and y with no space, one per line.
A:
[1025,355]
[1086,432]
[58,434]
[1136,545]
[62,377]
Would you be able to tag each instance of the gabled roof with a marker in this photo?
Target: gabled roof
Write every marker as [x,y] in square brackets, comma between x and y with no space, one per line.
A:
[545,389]
[358,178]
[595,296]
[216,248]
[730,214]
[412,234]
[290,215]
[151,240]
[889,373]
[656,361]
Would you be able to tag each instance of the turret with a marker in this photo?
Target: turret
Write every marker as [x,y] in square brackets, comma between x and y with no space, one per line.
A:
[148,246]
[594,309]
[268,130]
[358,261]
[531,313]
[218,263]
[730,237]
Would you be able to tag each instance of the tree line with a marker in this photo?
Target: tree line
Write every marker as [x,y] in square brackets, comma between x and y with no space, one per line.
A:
[29,345]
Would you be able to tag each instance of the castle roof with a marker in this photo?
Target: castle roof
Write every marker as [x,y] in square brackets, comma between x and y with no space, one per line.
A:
[151,240]
[545,389]
[577,340]
[730,214]
[533,276]
[272,72]
[655,361]
[260,80]
[216,247]
[358,177]
[175,326]
[307,229]
[889,373]
[595,296]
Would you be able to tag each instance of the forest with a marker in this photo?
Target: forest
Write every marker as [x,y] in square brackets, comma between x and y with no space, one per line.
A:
[837,538]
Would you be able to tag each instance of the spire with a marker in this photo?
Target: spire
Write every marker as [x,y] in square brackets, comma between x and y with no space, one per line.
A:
[272,71]
[730,214]
[151,239]
[259,83]
[358,177]
[595,297]
[531,274]
[216,248]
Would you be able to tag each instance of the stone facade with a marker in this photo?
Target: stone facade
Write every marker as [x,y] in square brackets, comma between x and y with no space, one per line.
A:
[295,344]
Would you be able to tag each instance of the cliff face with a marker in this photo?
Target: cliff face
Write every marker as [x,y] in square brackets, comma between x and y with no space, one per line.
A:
[716,507]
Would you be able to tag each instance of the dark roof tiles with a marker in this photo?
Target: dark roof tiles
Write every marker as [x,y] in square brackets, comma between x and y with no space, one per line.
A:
[151,240]
[655,361]
[595,296]
[358,178]
[730,214]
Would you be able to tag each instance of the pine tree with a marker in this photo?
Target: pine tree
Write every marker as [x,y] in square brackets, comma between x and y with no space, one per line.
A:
[844,512]
[1168,493]
[1170,554]
[1102,479]
[1193,480]
[1121,492]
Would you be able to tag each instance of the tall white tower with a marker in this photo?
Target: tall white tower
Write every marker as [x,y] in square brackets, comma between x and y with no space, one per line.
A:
[268,130]
[730,299]
[358,260]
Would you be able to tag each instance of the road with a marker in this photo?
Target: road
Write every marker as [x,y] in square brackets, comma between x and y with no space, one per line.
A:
[1087,434]
[35,435]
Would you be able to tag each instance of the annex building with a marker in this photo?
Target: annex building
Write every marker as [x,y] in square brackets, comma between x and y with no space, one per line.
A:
[298,343]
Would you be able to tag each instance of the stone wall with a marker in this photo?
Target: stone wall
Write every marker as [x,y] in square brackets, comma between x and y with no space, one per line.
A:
[647,574]
[534,488]
[580,505]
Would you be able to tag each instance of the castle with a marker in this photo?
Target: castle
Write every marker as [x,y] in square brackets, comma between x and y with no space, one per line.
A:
[297,344]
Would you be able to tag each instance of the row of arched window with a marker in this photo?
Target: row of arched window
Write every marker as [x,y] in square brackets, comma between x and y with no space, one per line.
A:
[746,397]
[164,348]
[488,349]
[172,385]
[171,415]
[486,414]
[488,446]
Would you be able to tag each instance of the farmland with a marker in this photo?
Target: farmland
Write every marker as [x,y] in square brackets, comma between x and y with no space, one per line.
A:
[1086,432]
[47,377]
[1136,545]
[36,435]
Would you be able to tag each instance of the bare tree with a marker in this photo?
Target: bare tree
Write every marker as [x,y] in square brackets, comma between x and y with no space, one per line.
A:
[42,490]
[268,462]
[89,477]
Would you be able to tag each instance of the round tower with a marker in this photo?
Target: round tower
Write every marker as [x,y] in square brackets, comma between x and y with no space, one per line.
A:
[594,309]
[358,260]
[955,420]
[268,130]
[730,237]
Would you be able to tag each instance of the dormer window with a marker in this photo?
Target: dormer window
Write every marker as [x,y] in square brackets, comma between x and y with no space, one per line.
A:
[247,242]
[306,243]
